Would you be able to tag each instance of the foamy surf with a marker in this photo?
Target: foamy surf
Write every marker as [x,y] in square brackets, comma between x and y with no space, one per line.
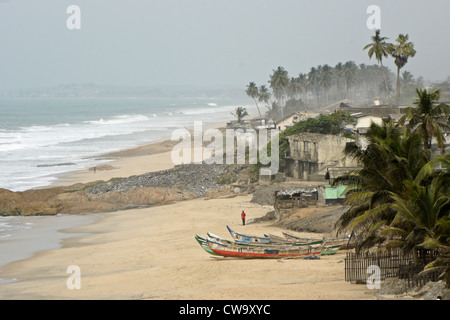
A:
[39,134]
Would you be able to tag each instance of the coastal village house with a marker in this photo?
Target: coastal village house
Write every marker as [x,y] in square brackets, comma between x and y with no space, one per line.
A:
[255,123]
[311,154]
[294,118]
[362,126]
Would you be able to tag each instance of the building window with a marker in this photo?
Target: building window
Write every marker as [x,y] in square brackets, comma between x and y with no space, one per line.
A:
[307,147]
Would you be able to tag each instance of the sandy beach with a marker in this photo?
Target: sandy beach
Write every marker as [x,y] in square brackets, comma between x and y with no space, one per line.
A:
[151,253]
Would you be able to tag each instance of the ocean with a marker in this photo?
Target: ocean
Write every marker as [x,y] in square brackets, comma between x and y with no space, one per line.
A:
[23,236]
[41,138]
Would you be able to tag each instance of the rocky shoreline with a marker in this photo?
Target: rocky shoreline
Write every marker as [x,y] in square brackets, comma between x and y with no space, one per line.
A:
[180,183]
[153,188]
[193,178]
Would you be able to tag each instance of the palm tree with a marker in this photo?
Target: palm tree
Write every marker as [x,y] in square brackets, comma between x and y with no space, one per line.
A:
[313,80]
[240,113]
[279,82]
[420,217]
[407,79]
[391,156]
[252,91]
[294,89]
[381,49]
[326,79]
[349,74]
[401,52]
[428,118]
[338,76]
[264,95]
[302,81]
[382,88]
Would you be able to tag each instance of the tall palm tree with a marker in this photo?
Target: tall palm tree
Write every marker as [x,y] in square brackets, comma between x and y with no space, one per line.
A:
[338,78]
[349,71]
[313,81]
[428,118]
[302,80]
[381,49]
[401,52]
[279,82]
[294,89]
[326,79]
[252,91]
[264,95]
[407,79]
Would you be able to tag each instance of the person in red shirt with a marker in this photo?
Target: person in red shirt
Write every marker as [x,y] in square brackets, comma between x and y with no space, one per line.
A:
[243,217]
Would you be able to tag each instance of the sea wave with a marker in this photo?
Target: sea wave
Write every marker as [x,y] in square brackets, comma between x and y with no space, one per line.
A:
[122,119]
[30,148]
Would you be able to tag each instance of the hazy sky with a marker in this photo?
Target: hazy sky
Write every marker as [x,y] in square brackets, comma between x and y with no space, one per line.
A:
[206,42]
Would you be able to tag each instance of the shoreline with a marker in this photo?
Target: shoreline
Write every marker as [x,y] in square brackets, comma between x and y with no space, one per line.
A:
[51,231]
[151,253]
[151,157]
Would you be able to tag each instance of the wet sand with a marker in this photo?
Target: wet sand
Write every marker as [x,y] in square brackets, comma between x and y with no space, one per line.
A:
[37,233]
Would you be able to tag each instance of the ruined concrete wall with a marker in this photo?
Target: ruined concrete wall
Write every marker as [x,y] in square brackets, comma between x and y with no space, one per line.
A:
[315,151]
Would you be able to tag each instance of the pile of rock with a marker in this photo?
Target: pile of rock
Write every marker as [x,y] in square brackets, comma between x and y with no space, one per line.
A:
[194,178]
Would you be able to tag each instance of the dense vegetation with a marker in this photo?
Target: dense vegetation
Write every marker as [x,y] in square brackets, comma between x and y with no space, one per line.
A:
[324,84]
[401,195]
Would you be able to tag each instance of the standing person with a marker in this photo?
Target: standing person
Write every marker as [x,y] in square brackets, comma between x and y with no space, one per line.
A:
[243,217]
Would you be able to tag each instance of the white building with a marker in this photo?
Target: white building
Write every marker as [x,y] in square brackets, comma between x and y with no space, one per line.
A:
[294,118]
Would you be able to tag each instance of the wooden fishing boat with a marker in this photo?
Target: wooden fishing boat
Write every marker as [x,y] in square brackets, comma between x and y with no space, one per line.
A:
[216,238]
[331,245]
[296,241]
[239,237]
[330,249]
[292,237]
[261,252]
[270,244]
[204,245]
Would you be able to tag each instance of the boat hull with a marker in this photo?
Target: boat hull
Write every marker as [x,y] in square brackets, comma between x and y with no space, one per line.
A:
[239,237]
[255,252]
[204,245]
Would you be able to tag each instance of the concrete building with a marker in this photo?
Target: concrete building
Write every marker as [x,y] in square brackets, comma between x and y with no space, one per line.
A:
[312,153]
[365,120]
[294,118]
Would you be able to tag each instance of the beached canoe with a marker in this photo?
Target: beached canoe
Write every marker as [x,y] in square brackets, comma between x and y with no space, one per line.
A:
[227,242]
[204,244]
[261,252]
[297,241]
[270,244]
[239,237]
[331,246]
[330,249]
[291,237]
